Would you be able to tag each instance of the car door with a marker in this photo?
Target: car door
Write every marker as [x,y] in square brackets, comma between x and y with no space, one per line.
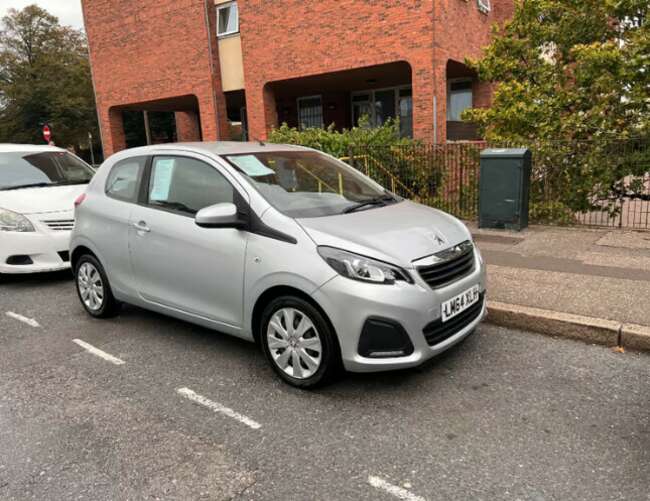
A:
[178,264]
[112,214]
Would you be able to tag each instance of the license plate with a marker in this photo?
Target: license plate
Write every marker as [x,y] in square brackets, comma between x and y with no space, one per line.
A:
[457,305]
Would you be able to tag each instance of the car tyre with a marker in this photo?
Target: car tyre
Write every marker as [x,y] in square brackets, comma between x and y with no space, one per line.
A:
[93,288]
[304,353]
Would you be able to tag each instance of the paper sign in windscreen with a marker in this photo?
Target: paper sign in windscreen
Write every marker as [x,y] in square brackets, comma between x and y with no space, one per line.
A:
[162,179]
[252,166]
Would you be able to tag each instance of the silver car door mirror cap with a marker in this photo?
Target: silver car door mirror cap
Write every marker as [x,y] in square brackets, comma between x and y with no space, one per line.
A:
[223,215]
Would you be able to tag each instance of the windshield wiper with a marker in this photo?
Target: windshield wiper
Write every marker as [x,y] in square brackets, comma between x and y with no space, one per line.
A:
[31,185]
[382,200]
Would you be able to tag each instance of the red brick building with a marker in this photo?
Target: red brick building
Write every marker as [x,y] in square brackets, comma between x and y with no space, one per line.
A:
[215,63]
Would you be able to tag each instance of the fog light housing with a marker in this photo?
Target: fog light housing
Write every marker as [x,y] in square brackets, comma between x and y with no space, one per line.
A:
[384,338]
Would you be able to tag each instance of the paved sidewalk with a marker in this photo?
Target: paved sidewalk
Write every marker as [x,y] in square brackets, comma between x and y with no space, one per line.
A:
[601,274]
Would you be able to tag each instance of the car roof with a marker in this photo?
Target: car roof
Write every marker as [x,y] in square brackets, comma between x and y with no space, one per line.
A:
[29,148]
[219,147]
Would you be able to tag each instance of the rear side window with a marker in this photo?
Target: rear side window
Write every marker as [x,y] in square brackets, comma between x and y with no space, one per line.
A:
[122,182]
[186,185]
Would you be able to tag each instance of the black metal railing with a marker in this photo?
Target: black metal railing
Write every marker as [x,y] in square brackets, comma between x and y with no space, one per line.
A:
[567,185]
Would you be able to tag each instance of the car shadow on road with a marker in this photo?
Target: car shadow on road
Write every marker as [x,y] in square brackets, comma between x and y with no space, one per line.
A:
[32,279]
[180,335]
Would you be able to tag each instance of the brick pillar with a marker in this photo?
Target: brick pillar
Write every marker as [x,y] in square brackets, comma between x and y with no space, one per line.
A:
[112,130]
[262,113]
[423,102]
[440,89]
[187,126]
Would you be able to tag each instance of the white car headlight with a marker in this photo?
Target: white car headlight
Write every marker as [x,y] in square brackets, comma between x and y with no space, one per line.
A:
[363,268]
[12,221]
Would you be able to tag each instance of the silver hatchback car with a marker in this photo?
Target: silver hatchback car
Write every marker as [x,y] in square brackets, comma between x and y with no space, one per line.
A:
[281,245]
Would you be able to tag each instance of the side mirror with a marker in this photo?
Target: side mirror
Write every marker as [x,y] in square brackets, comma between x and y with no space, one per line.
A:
[219,216]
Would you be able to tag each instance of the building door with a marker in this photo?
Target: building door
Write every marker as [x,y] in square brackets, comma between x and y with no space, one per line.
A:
[361,106]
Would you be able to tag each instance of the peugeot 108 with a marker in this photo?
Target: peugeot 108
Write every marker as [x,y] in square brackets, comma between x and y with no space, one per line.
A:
[281,245]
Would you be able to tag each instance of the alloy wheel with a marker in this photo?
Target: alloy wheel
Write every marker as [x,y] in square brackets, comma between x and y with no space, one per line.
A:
[294,343]
[91,287]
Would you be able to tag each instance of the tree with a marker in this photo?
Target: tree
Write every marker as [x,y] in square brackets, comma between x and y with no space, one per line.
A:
[44,78]
[572,79]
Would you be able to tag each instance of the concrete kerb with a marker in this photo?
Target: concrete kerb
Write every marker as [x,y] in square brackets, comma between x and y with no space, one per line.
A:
[553,323]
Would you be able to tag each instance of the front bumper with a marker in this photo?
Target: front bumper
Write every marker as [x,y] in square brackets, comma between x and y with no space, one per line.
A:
[350,303]
[42,248]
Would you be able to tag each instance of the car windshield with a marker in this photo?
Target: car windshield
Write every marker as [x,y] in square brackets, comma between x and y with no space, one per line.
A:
[309,184]
[50,168]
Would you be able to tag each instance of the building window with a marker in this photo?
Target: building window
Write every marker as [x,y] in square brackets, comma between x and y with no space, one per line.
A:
[405,103]
[459,98]
[380,105]
[227,19]
[484,6]
[310,112]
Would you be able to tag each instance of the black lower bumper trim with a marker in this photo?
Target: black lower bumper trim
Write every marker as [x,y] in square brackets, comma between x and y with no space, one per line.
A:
[384,338]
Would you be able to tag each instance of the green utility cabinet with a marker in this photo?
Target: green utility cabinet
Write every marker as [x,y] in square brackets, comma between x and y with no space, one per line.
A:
[504,188]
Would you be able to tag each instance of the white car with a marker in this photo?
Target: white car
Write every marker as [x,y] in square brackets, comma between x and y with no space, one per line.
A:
[38,189]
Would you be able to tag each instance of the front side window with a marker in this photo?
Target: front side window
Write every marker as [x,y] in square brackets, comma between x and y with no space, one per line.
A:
[227,19]
[186,185]
[51,168]
[306,184]
[460,98]
[122,182]
[310,112]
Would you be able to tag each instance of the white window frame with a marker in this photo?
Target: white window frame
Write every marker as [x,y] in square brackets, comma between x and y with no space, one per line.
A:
[484,6]
[458,80]
[322,110]
[224,6]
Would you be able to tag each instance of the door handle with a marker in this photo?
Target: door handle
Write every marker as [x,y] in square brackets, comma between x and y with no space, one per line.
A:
[141,226]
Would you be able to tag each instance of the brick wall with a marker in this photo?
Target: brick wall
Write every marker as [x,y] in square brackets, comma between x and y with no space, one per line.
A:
[144,51]
[297,38]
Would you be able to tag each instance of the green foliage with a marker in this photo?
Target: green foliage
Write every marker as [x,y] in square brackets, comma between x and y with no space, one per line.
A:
[402,165]
[340,143]
[572,80]
[44,78]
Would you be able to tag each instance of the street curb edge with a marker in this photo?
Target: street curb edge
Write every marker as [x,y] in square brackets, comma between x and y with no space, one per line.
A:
[554,323]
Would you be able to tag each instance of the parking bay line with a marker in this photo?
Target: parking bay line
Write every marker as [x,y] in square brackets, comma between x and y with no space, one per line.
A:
[99,353]
[217,407]
[398,492]
[29,321]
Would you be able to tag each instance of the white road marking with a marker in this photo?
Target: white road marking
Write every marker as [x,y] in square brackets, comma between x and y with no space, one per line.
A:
[398,492]
[99,353]
[217,407]
[29,321]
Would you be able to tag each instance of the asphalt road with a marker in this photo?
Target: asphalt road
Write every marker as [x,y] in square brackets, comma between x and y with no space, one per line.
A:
[505,415]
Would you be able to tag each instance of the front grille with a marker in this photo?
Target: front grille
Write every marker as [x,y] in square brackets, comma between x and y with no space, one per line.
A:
[436,332]
[60,224]
[449,265]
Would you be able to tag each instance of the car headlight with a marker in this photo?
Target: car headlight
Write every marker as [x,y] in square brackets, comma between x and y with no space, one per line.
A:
[12,221]
[363,268]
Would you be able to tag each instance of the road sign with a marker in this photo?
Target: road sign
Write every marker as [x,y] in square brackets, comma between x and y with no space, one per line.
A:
[47,133]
